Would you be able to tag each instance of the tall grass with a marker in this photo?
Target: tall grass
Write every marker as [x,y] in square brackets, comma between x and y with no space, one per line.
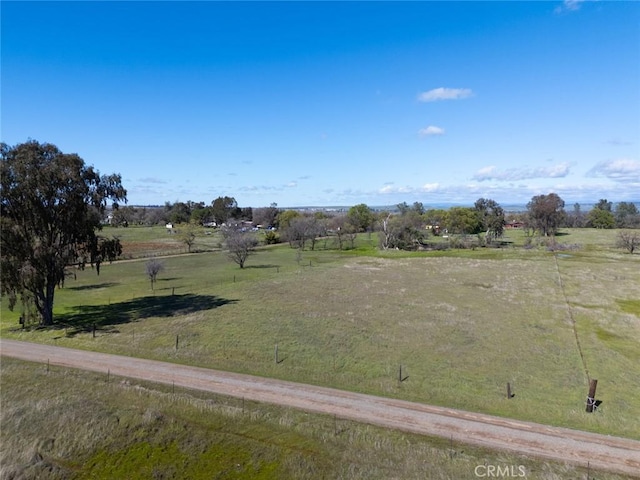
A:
[58,423]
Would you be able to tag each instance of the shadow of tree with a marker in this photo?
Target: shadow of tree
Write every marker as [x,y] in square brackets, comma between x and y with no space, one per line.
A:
[104,317]
[92,287]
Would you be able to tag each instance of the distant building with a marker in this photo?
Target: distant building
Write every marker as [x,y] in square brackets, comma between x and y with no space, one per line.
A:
[513,224]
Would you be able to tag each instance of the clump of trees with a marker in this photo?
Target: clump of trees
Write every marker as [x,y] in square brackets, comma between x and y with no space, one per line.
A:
[51,206]
[404,231]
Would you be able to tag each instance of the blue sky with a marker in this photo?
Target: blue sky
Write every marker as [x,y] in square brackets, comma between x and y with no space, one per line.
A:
[333,103]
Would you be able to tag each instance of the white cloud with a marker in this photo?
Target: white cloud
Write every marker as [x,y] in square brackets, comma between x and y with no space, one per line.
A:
[619,170]
[430,131]
[390,188]
[568,6]
[514,174]
[430,187]
[443,93]
[292,184]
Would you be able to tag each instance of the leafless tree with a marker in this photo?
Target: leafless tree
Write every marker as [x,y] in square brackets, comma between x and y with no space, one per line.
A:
[240,244]
[305,229]
[629,240]
[154,267]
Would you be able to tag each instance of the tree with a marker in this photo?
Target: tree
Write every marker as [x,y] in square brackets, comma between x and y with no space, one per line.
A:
[123,216]
[418,207]
[401,231]
[491,218]
[51,205]
[361,217]
[546,213]
[224,208]
[188,236]
[266,216]
[604,204]
[153,268]
[285,217]
[576,219]
[600,218]
[240,244]
[629,240]
[303,229]
[344,231]
[109,248]
[179,212]
[201,215]
[463,220]
[434,218]
[627,215]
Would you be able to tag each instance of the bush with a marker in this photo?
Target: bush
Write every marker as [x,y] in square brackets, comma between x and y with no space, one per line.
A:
[271,238]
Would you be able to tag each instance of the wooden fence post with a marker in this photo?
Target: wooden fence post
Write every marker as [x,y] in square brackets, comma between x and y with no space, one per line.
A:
[509,394]
[591,398]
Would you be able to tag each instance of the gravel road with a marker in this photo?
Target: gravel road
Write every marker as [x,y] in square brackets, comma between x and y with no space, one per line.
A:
[603,452]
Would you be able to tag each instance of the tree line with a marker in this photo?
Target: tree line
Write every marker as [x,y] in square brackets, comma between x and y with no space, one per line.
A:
[53,206]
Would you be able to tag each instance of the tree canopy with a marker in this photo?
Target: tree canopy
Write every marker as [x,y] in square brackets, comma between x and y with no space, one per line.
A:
[51,206]
[361,217]
[491,217]
[224,208]
[546,213]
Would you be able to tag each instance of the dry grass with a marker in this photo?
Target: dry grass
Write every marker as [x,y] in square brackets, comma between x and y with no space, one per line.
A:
[75,425]
[461,327]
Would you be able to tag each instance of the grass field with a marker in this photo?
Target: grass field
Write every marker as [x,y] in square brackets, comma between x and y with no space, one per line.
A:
[59,423]
[461,323]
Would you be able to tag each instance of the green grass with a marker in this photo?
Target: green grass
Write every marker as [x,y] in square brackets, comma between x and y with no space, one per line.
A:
[58,423]
[462,323]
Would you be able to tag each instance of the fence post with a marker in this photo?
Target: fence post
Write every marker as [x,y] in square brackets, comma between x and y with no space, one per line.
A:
[591,398]
[509,394]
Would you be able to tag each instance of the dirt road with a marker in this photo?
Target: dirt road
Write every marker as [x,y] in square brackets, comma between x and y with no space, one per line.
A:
[564,445]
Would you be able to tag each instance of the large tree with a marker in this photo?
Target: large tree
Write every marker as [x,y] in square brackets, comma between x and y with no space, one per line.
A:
[240,244]
[361,217]
[492,218]
[463,220]
[627,215]
[601,218]
[225,208]
[51,206]
[402,232]
[546,213]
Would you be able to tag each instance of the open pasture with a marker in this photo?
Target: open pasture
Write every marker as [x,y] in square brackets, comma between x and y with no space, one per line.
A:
[461,324]
[146,241]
